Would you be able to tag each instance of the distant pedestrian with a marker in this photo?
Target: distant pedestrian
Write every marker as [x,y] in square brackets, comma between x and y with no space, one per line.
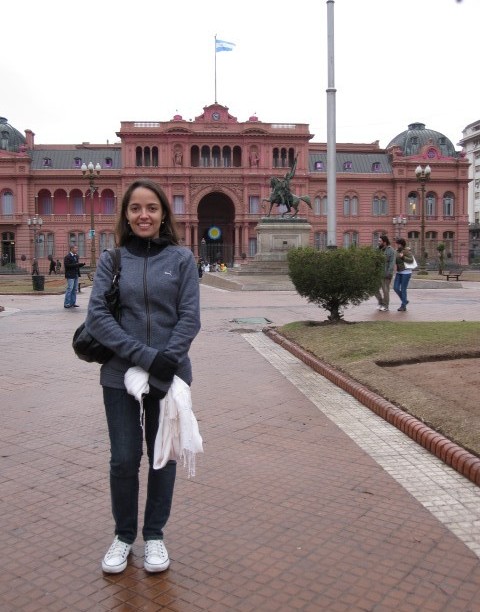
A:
[383,293]
[72,272]
[52,267]
[35,270]
[403,275]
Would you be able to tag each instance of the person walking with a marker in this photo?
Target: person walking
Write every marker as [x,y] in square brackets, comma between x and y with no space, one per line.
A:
[52,267]
[160,317]
[383,293]
[72,272]
[402,277]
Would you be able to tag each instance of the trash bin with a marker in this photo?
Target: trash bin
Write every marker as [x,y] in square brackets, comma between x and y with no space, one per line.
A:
[38,282]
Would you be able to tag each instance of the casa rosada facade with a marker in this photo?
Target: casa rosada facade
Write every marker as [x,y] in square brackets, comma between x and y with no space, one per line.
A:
[216,171]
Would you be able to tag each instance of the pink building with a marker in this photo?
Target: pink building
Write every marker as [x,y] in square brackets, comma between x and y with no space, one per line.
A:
[216,171]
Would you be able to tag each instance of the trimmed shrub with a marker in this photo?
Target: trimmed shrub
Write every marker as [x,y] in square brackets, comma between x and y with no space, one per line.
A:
[335,278]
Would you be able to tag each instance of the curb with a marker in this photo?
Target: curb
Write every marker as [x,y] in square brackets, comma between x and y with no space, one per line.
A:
[465,463]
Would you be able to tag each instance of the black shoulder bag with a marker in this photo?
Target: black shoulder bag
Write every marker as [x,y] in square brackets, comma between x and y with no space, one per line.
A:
[84,344]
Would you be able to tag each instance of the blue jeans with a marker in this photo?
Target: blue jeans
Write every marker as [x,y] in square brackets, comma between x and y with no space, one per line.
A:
[400,285]
[126,448]
[71,292]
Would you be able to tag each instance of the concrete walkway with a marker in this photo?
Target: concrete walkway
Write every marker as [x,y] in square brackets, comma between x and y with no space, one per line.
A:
[303,500]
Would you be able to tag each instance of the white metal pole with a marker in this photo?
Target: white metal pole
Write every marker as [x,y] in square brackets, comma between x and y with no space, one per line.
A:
[331,134]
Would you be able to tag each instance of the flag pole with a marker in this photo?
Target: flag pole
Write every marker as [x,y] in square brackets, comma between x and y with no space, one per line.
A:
[215,51]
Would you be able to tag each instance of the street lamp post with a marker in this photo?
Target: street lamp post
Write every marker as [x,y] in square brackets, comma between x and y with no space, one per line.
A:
[90,172]
[35,223]
[423,176]
[399,222]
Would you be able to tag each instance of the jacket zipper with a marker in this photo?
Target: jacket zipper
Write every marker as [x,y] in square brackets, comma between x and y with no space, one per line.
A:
[145,293]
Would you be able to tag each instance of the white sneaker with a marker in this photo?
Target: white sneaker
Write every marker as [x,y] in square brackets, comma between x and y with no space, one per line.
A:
[383,309]
[115,561]
[156,556]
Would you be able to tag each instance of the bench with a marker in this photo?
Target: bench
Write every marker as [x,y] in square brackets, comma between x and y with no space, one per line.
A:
[456,274]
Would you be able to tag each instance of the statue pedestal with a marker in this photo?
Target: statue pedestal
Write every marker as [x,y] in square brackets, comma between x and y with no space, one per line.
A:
[276,236]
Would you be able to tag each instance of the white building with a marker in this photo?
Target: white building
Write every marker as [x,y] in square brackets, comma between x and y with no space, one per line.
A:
[471,144]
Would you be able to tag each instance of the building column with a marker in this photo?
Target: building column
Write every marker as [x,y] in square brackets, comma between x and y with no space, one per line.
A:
[237,250]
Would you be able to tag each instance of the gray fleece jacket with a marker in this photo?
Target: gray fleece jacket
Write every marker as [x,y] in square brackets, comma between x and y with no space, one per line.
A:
[160,310]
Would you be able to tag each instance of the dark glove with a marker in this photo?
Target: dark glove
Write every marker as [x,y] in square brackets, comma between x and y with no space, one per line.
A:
[163,368]
[156,392]
[80,265]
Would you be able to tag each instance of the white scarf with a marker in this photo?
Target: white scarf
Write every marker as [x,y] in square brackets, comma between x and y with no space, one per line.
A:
[178,436]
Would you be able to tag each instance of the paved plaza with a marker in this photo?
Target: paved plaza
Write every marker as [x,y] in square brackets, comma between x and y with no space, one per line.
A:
[303,500]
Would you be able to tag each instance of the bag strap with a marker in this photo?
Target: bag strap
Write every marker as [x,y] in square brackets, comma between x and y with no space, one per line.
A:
[116,257]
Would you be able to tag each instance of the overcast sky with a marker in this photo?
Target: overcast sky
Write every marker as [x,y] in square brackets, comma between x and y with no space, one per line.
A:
[72,71]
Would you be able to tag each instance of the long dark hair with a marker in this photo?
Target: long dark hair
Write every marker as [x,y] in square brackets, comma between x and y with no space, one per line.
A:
[168,229]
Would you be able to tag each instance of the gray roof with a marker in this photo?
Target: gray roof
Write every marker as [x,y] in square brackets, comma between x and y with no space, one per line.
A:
[361,163]
[10,138]
[64,159]
[416,137]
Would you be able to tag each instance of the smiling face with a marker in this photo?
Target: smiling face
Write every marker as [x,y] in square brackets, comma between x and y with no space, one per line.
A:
[144,213]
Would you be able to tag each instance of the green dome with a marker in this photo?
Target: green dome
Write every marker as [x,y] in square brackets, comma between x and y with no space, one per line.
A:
[10,138]
[416,137]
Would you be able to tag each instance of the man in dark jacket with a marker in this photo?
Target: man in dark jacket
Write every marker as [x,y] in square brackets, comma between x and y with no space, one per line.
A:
[72,272]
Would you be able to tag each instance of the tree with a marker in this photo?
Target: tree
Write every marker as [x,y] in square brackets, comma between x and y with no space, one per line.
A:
[335,278]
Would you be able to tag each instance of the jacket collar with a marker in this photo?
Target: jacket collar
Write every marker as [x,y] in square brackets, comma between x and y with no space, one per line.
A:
[145,247]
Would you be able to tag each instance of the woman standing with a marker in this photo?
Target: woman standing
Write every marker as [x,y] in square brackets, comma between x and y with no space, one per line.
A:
[402,277]
[160,317]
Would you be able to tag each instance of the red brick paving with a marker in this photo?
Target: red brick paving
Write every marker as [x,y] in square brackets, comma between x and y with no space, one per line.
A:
[286,512]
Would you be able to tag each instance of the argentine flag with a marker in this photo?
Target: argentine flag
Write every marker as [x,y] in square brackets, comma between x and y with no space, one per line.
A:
[223,45]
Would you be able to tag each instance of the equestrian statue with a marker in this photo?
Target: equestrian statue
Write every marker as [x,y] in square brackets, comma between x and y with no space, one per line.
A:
[281,194]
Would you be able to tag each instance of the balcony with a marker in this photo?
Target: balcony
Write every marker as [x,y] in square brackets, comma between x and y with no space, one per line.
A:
[13,219]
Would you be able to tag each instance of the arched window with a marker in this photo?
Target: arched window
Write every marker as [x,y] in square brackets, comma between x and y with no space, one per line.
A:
[276,158]
[77,202]
[205,156]
[107,241]
[7,203]
[379,206]
[195,156]
[237,157]
[350,239]
[107,202]
[60,202]
[448,204]
[155,157]
[320,205]
[320,240]
[138,157]
[77,239]
[146,157]
[430,204]
[350,206]
[45,203]
[227,157]
[216,156]
[412,204]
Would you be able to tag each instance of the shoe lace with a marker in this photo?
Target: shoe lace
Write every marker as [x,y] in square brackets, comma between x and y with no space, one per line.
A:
[155,548]
[118,548]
